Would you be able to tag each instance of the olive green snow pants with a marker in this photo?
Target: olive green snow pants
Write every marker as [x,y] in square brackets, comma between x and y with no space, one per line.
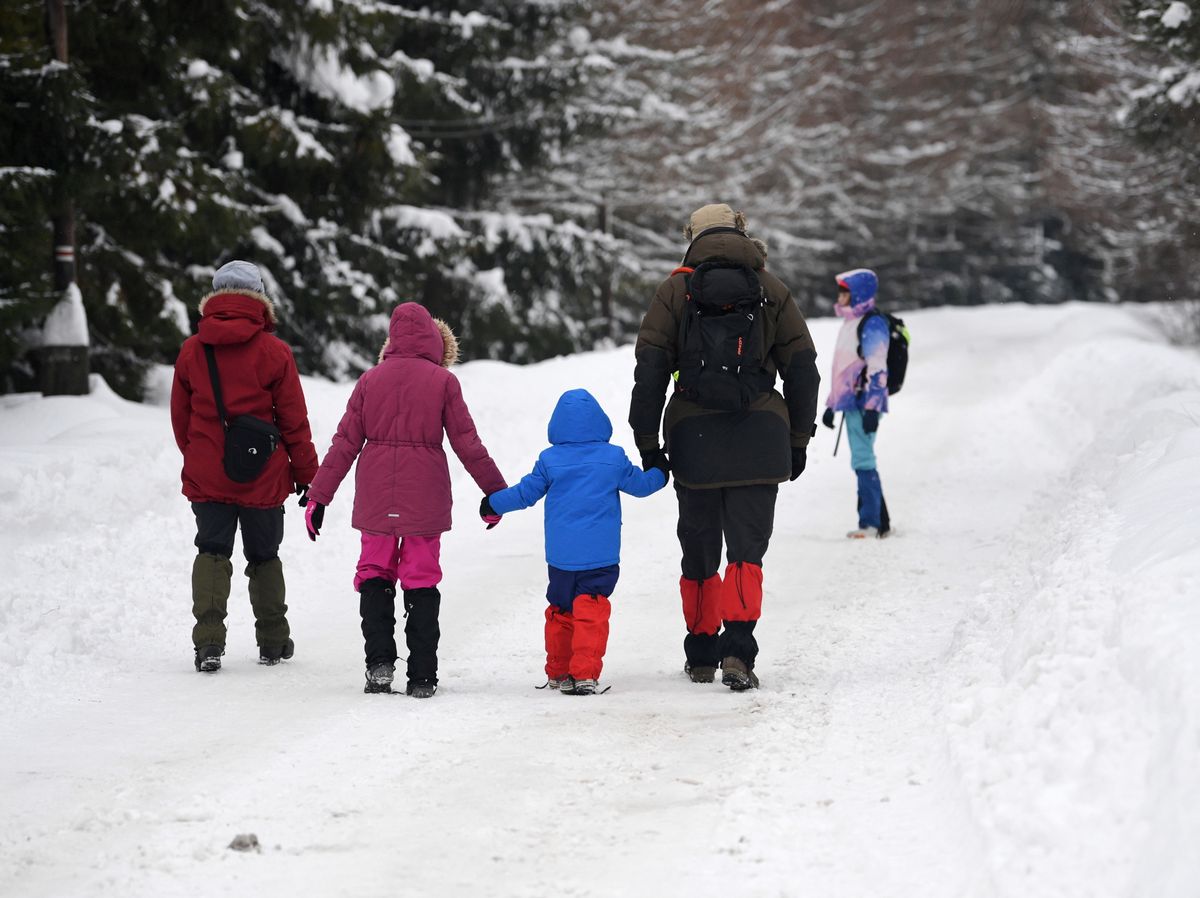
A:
[212,571]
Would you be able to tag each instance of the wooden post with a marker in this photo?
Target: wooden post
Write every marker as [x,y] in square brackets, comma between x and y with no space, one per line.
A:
[65,334]
[56,28]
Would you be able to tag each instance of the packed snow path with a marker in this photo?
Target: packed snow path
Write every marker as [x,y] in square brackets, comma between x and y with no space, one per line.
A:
[1002,700]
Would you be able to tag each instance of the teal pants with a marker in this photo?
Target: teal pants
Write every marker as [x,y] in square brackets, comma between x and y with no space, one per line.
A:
[862,444]
[871,507]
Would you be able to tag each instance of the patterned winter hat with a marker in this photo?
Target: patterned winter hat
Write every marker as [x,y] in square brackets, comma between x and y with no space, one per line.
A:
[238,275]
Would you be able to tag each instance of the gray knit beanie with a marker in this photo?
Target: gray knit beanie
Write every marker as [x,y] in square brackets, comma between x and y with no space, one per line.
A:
[238,275]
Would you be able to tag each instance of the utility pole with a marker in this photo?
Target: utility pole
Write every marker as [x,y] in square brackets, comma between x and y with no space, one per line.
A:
[65,333]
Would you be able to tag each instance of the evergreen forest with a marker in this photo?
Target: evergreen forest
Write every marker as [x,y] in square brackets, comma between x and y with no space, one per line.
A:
[524,168]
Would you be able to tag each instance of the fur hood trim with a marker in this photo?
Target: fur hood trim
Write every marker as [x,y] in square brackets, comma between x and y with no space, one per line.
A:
[449,344]
[253,294]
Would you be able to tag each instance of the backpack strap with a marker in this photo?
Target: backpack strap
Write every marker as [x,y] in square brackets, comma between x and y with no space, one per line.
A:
[215,376]
[686,271]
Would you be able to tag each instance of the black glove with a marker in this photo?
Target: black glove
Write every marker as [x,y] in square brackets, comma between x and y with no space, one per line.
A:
[302,492]
[870,420]
[799,460]
[827,418]
[655,458]
[486,511]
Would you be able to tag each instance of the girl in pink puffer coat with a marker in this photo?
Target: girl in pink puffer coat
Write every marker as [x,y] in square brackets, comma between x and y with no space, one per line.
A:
[393,425]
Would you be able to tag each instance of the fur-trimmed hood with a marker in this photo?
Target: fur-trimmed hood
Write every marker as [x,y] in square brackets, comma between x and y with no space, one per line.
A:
[272,318]
[413,332]
[234,316]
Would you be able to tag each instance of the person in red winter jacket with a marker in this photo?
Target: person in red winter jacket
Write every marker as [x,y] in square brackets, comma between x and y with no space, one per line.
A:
[257,377]
[393,425]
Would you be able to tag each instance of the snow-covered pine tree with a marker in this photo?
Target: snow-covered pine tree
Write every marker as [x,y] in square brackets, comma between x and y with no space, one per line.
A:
[969,151]
[1164,110]
[347,146]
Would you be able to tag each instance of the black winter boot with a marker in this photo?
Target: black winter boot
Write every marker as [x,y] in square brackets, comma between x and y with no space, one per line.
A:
[737,641]
[273,654]
[422,632]
[377,607]
[703,654]
[208,658]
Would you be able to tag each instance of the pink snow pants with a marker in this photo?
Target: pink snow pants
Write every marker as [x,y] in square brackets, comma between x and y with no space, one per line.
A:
[412,561]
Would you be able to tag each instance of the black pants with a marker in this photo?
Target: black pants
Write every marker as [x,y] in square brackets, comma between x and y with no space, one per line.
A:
[217,524]
[743,516]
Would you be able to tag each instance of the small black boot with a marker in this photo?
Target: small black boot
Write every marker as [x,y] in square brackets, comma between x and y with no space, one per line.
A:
[422,632]
[377,607]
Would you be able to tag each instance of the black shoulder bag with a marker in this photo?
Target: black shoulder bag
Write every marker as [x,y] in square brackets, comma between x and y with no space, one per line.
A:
[249,441]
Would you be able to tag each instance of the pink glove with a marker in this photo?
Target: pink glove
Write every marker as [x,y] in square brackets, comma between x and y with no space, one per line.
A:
[314,517]
[491,520]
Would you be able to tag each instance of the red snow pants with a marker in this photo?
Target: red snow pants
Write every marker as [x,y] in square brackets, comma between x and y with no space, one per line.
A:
[576,639]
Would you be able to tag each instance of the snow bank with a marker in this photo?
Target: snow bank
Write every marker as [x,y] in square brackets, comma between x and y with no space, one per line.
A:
[1076,694]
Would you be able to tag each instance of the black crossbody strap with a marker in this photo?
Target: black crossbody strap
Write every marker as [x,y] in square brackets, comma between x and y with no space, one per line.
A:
[216,383]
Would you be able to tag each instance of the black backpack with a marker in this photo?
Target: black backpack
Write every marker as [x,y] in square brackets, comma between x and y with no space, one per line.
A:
[897,360]
[721,336]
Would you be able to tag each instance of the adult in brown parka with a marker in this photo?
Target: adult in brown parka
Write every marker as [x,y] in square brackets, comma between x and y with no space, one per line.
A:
[723,327]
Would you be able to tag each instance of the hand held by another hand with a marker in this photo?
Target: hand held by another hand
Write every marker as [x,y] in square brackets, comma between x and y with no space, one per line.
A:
[656,458]
[488,514]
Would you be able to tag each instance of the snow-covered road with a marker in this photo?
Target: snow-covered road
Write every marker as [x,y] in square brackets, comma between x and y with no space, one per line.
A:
[1003,700]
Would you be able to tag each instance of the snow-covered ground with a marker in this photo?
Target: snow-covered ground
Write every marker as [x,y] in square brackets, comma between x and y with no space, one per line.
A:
[1003,700]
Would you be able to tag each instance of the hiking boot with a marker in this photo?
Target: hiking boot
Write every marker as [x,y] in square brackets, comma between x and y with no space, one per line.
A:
[379,678]
[572,686]
[208,658]
[864,533]
[421,688]
[700,673]
[273,654]
[554,682]
[737,676]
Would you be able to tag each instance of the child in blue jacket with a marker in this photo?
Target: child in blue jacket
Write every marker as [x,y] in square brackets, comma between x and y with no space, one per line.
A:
[581,475]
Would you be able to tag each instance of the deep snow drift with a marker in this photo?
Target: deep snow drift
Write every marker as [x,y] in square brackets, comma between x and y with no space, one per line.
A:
[1002,700]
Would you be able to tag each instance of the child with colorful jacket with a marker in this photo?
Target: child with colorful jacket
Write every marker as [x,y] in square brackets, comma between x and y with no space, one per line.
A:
[860,390]
[393,425]
[581,475]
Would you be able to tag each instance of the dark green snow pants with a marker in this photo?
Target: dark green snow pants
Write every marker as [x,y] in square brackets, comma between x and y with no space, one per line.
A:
[262,532]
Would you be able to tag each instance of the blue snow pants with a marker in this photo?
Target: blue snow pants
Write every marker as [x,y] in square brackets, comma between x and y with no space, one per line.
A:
[862,460]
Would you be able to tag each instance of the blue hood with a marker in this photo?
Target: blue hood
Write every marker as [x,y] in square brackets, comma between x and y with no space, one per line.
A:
[863,285]
[578,418]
